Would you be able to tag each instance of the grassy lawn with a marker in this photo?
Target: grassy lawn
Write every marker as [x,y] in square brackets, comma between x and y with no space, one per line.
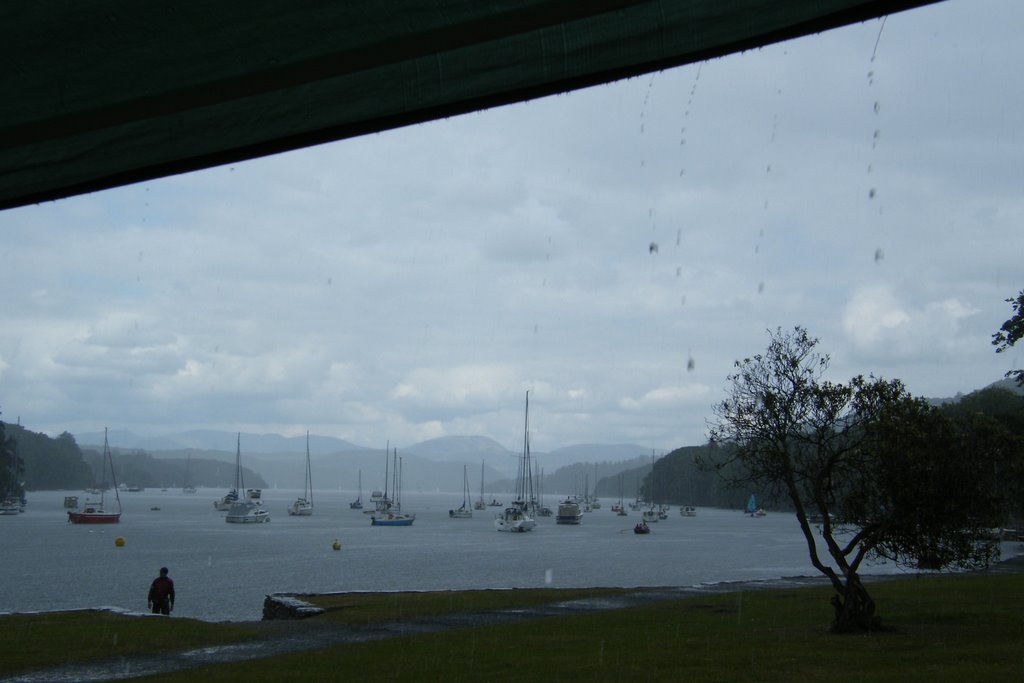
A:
[967,628]
[41,641]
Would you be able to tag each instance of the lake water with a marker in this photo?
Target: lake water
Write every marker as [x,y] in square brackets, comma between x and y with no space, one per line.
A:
[223,571]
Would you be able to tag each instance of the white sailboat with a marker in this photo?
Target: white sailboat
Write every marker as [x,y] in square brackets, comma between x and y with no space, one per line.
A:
[463,511]
[249,510]
[303,506]
[480,504]
[516,517]
[231,497]
[357,504]
[392,514]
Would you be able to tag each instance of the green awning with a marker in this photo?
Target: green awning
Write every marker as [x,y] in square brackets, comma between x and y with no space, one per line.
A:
[105,93]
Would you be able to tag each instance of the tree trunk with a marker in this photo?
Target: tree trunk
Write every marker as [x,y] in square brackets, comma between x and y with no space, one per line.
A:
[854,609]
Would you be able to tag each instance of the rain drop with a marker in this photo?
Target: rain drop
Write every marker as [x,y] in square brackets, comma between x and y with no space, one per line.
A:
[879,255]
[871,193]
[877,107]
[690,364]
[760,287]
[653,248]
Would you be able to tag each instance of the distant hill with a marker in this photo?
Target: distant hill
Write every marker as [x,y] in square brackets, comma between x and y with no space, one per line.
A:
[459,448]
[214,440]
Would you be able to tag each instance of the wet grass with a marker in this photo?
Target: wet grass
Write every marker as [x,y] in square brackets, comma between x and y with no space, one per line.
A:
[43,641]
[369,608]
[966,628]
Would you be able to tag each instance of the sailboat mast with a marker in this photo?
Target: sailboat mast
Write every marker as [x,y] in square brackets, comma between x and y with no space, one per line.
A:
[239,481]
[113,477]
[309,473]
[387,462]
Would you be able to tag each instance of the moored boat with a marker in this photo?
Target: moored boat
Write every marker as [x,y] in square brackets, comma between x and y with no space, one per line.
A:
[515,517]
[357,504]
[463,511]
[247,512]
[568,512]
[95,512]
[389,512]
[303,506]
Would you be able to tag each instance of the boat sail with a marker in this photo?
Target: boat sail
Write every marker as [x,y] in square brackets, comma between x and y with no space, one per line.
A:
[303,507]
[357,504]
[94,513]
[463,511]
[752,509]
[516,517]
[391,514]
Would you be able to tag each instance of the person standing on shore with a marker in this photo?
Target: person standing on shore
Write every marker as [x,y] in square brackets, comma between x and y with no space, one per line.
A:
[161,593]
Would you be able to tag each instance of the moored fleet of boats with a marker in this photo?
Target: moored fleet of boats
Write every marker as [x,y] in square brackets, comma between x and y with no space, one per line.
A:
[245,506]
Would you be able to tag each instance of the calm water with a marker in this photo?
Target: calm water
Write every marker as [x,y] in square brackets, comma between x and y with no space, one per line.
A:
[223,571]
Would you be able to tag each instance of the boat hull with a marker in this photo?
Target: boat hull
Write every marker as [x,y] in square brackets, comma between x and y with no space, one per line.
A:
[247,513]
[392,520]
[514,521]
[93,517]
[255,518]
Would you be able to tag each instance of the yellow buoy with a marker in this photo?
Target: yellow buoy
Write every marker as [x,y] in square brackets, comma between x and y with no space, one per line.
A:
[336,545]
[119,541]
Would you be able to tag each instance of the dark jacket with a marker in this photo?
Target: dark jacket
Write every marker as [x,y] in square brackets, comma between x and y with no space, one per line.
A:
[161,590]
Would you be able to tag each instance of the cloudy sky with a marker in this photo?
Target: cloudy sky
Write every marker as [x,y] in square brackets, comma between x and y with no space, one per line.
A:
[612,250]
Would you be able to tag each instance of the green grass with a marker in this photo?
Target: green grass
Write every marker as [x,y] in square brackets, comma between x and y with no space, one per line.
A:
[966,628]
[41,641]
[369,608]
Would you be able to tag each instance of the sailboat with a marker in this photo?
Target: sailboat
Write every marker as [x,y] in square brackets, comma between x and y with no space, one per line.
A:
[516,517]
[480,504]
[303,507]
[651,514]
[357,504]
[380,500]
[392,514]
[619,509]
[231,497]
[188,487]
[463,511]
[95,513]
[247,511]
[752,509]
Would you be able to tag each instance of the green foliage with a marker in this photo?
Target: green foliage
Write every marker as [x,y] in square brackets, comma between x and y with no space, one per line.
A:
[887,475]
[51,463]
[1011,332]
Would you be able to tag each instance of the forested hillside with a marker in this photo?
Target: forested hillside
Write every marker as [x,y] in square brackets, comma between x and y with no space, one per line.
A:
[59,464]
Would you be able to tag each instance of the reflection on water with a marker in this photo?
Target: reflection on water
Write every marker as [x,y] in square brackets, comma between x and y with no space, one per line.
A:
[224,571]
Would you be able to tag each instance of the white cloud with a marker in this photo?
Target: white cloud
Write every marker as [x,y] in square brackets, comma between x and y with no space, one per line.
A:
[417,282]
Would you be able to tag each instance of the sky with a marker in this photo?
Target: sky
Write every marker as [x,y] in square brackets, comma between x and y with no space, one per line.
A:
[612,250]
